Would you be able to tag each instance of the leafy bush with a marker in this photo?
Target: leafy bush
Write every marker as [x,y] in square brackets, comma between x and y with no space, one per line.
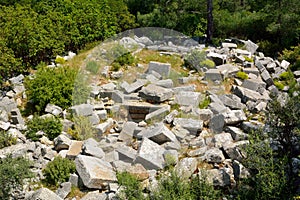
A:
[279,85]
[92,66]
[6,139]
[193,59]
[58,170]
[248,59]
[132,187]
[55,86]
[242,75]
[51,126]
[13,171]
[293,56]
[207,63]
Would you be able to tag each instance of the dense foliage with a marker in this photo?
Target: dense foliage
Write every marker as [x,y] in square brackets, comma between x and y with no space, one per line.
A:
[55,86]
[58,170]
[6,139]
[34,31]
[51,126]
[13,171]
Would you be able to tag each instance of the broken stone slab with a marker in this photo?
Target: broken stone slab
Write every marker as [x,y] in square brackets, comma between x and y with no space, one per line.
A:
[94,119]
[218,59]
[154,93]
[82,109]
[232,101]
[91,147]
[213,75]
[254,84]
[228,70]
[234,117]
[160,134]
[3,116]
[218,177]
[53,109]
[158,114]
[62,142]
[192,125]
[102,128]
[17,134]
[102,114]
[186,167]
[161,68]
[42,194]
[186,88]
[233,150]
[150,155]
[17,79]
[217,108]
[126,134]
[19,89]
[251,125]
[217,123]
[134,87]
[284,64]
[74,149]
[95,195]
[180,132]
[242,52]
[229,45]
[248,95]
[116,95]
[126,154]
[188,98]
[251,46]
[214,155]
[222,139]
[4,125]
[184,80]
[8,104]
[236,133]
[17,150]
[94,172]
[265,75]
[199,152]
[251,70]
[170,117]
[64,190]
[168,83]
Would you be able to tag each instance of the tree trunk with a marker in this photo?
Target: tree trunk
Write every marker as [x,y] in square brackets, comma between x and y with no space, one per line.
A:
[209,30]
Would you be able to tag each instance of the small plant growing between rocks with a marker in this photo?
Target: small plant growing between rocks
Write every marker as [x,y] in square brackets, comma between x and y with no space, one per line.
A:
[242,75]
[51,126]
[6,139]
[92,66]
[207,63]
[82,128]
[132,187]
[204,104]
[279,85]
[58,171]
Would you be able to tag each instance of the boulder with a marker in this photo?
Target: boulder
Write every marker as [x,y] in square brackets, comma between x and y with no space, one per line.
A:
[213,75]
[251,46]
[134,87]
[62,142]
[74,149]
[16,117]
[222,139]
[64,190]
[94,172]
[168,83]
[214,155]
[126,154]
[158,114]
[233,117]
[232,101]
[236,133]
[217,123]
[161,134]
[102,128]
[239,171]
[218,59]
[53,109]
[94,195]
[150,155]
[186,167]
[91,147]
[154,93]
[127,131]
[219,177]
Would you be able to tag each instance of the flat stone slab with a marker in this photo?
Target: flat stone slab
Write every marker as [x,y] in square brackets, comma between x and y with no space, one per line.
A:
[160,134]
[192,125]
[161,68]
[159,113]
[213,75]
[188,98]
[74,149]
[150,155]
[82,109]
[154,93]
[94,172]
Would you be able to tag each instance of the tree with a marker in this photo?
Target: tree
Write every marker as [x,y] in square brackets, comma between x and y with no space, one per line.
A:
[209,32]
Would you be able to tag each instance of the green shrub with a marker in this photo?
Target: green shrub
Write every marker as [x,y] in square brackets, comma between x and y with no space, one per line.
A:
[279,85]
[248,59]
[286,76]
[55,86]
[193,59]
[51,126]
[83,129]
[204,104]
[242,75]
[125,59]
[58,170]
[6,139]
[115,66]
[132,187]
[60,60]
[293,56]
[207,63]
[92,66]
[13,171]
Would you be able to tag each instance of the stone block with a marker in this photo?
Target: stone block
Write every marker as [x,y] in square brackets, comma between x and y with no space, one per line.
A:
[154,93]
[161,68]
